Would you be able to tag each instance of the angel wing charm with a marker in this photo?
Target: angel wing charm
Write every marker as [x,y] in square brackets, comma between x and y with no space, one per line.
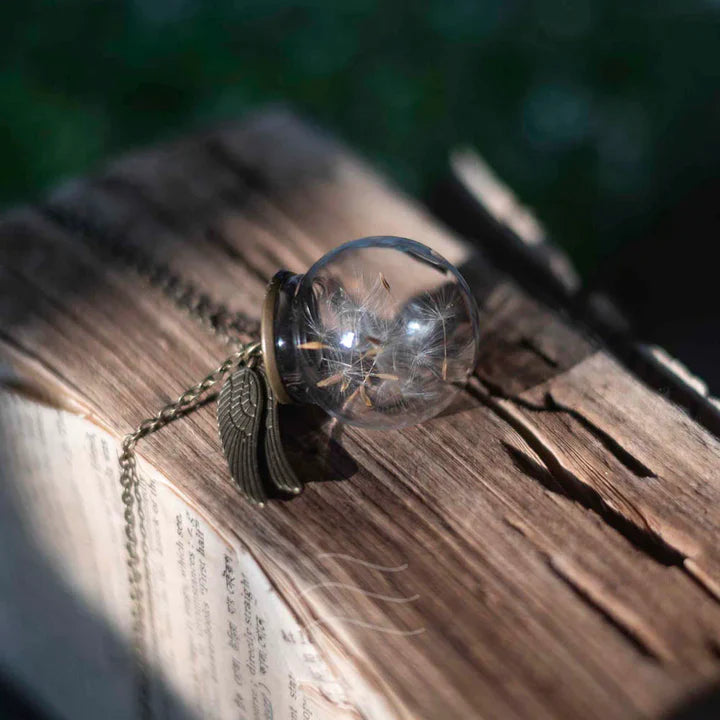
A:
[248,423]
[281,473]
[240,417]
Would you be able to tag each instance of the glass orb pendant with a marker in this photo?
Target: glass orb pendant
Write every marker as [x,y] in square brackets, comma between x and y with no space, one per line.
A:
[381,332]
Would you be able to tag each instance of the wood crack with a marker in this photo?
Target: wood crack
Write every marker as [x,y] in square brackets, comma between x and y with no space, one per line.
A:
[622,455]
[590,590]
[639,534]
[624,620]
[532,345]
[636,466]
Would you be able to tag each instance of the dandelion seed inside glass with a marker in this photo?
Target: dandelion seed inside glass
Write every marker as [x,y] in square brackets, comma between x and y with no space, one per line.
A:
[380,332]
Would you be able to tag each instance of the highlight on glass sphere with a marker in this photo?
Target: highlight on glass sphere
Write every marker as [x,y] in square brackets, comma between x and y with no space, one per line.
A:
[380,332]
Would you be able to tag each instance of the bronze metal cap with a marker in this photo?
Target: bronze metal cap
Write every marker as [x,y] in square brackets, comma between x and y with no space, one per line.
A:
[267,339]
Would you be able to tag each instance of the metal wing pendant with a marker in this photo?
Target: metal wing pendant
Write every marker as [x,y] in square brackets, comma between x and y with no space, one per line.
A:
[240,418]
[281,474]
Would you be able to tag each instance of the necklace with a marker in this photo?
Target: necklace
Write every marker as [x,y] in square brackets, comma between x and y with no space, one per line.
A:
[381,332]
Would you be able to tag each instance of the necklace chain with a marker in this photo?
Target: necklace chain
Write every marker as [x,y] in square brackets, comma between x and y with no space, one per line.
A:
[136,545]
[185,295]
[214,316]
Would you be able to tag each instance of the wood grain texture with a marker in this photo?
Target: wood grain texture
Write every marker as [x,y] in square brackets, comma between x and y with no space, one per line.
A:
[553,537]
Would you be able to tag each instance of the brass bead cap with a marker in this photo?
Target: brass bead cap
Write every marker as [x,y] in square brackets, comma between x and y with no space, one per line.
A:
[267,339]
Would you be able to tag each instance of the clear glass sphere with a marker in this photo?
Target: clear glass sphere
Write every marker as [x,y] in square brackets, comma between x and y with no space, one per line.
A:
[381,332]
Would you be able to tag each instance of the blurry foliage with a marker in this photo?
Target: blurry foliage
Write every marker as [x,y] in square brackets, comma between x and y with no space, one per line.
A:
[596,113]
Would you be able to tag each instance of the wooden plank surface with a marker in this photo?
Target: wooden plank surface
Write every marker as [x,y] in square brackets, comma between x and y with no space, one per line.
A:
[557,528]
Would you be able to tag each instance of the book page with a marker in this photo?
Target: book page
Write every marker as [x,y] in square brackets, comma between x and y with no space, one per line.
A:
[221,643]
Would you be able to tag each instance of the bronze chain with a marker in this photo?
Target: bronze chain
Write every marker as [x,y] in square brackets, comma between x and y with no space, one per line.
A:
[232,327]
[212,315]
[134,515]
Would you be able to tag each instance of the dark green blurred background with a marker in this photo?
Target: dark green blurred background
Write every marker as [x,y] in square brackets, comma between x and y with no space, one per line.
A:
[597,113]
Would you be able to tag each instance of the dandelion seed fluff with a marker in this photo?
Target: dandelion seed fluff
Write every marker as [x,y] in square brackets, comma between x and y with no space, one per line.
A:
[380,332]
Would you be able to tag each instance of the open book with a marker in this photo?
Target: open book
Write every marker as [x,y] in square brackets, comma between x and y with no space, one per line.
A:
[220,642]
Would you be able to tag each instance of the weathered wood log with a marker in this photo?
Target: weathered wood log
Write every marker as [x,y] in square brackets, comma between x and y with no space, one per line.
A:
[559,525]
